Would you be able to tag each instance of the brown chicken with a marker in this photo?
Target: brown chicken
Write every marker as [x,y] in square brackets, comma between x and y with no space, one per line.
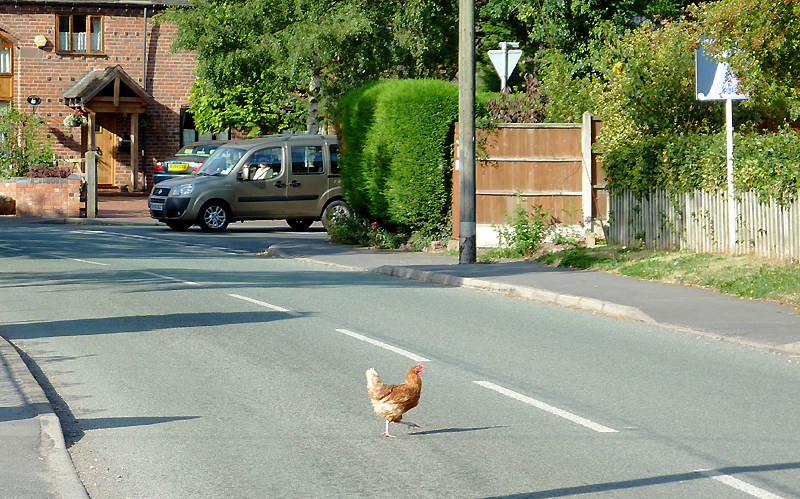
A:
[392,401]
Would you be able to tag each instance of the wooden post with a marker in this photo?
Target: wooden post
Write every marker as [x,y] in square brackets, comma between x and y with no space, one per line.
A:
[91,169]
[91,184]
[135,150]
[467,252]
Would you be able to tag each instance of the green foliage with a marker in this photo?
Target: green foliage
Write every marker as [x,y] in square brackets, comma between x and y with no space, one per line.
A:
[762,38]
[525,107]
[396,139]
[768,164]
[359,231]
[568,96]
[524,232]
[24,144]
[649,87]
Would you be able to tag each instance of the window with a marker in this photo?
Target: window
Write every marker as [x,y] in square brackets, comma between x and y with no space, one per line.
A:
[5,56]
[307,159]
[189,134]
[80,33]
[334,152]
[6,75]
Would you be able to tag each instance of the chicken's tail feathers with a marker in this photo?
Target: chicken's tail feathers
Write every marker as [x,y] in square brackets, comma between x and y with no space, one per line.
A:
[373,380]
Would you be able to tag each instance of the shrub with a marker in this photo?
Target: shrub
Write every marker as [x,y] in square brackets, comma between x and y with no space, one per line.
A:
[45,171]
[359,231]
[23,143]
[524,232]
[397,139]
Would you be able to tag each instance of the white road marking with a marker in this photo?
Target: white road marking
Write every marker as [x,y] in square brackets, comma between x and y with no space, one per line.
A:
[12,248]
[546,407]
[265,304]
[190,283]
[78,260]
[404,353]
[738,484]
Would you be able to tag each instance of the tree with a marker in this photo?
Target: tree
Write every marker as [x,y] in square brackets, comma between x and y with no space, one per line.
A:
[761,40]
[263,57]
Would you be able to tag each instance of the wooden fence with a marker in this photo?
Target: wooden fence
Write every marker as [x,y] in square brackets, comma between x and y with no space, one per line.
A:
[699,221]
[551,165]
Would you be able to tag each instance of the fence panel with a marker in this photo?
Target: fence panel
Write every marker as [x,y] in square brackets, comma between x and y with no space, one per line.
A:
[699,221]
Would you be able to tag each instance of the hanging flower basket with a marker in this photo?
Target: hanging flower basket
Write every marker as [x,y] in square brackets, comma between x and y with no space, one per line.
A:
[75,120]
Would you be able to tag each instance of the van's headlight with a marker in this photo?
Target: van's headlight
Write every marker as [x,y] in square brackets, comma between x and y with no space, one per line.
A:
[183,190]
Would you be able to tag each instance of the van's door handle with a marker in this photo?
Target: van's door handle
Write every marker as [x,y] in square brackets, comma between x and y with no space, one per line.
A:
[294,183]
[280,183]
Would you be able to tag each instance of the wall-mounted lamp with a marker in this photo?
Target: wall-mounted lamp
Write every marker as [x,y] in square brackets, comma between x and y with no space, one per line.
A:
[40,41]
[34,101]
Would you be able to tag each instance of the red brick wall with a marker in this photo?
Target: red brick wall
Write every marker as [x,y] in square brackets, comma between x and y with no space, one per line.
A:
[44,197]
[43,72]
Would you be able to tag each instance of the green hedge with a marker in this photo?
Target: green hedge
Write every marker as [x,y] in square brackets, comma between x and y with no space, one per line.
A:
[768,164]
[397,141]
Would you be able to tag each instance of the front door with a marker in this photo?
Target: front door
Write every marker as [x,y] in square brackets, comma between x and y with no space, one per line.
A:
[105,138]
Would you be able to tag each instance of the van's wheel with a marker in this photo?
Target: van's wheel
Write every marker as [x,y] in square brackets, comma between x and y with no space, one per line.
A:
[177,225]
[299,224]
[333,210]
[214,217]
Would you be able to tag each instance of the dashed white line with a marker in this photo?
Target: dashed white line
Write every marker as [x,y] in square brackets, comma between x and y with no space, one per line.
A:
[547,407]
[265,304]
[738,484]
[381,344]
[190,283]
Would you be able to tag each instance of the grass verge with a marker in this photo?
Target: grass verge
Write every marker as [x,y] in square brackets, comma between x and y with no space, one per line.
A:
[740,275]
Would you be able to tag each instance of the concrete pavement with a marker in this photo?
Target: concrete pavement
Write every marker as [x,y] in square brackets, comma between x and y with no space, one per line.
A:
[36,463]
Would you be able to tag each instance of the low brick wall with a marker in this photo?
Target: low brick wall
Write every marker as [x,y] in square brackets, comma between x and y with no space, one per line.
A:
[44,197]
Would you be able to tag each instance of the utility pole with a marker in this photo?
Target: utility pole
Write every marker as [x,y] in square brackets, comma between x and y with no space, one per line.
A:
[467,248]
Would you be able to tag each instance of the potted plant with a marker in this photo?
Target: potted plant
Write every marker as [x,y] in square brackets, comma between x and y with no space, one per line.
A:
[76,119]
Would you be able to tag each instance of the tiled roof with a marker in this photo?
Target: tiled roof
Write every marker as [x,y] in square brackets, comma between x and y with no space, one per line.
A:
[94,81]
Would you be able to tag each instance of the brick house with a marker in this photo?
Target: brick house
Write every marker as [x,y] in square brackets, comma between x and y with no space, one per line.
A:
[109,61]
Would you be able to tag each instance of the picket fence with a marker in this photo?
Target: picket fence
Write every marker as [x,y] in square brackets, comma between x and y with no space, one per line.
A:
[699,221]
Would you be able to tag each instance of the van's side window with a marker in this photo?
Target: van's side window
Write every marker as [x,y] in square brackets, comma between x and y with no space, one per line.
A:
[333,149]
[264,164]
[307,160]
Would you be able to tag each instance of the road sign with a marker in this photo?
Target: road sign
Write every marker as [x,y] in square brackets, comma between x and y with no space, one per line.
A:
[713,80]
[504,62]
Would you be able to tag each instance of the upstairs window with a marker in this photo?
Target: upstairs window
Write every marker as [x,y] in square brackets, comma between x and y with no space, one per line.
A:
[77,33]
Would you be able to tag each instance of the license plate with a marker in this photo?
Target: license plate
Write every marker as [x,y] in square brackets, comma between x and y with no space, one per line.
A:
[156,206]
[178,167]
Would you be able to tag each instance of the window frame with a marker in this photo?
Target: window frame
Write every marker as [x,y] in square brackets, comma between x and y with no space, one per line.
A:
[71,34]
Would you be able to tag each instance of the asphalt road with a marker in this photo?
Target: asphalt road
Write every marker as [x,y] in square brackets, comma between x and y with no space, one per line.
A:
[184,367]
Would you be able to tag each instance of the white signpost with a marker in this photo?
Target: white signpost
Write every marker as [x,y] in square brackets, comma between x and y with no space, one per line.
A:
[505,60]
[713,82]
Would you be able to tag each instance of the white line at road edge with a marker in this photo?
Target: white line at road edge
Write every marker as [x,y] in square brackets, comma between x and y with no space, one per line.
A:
[404,353]
[546,407]
[738,484]
[191,283]
[265,304]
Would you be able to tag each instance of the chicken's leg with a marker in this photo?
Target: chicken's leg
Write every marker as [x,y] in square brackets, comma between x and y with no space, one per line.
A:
[410,425]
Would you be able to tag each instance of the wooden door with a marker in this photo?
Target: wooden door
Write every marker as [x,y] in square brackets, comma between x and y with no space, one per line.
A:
[105,139]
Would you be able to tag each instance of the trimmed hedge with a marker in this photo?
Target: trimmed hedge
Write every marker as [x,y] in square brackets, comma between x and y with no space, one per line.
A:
[768,164]
[397,140]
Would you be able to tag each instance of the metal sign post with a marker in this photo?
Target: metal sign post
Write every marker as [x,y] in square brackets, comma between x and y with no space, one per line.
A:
[714,81]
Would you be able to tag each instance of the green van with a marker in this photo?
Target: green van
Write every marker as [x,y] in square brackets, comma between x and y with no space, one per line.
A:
[292,177]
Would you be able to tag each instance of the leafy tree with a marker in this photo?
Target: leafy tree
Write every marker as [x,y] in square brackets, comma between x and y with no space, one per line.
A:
[260,56]
[762,40]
